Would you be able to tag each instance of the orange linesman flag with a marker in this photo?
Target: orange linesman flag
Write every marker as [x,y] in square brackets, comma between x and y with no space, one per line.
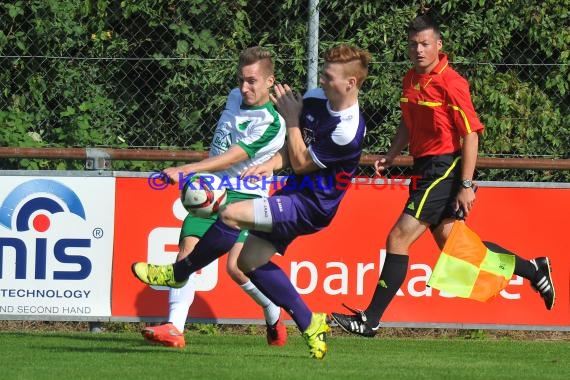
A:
[467,268]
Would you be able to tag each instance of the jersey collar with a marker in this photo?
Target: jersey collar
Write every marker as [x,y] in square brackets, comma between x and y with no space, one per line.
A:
[441,65]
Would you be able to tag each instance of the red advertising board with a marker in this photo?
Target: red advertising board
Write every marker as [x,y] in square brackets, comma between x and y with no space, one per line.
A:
[341,263]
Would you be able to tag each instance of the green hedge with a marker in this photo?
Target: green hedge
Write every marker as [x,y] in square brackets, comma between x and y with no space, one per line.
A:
[155,73]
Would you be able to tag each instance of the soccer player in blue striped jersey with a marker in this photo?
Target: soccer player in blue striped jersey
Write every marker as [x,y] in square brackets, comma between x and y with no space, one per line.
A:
[325,135]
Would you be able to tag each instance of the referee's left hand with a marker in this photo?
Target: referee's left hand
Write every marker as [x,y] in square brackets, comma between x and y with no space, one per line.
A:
[465,200]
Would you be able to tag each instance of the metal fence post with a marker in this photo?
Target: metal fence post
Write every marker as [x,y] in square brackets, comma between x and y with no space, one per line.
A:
[313,45]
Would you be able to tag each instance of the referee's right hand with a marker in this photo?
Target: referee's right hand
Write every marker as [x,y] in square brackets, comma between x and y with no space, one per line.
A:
[383,164]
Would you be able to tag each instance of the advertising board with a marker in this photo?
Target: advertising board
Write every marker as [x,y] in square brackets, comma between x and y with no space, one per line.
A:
[56,247]
[341,264]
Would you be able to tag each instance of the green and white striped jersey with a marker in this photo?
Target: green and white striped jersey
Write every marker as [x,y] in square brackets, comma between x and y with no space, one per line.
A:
[260,131]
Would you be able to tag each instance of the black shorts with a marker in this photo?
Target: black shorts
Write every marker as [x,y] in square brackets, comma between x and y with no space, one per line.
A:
[432,196]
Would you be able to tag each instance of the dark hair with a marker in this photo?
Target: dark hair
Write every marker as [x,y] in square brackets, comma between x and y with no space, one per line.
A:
[424,22]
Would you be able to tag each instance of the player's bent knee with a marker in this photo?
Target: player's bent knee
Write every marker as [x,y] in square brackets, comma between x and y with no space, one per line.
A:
[394,237]
[228,216]
[397,242]
[237,276]
[233,215]
[244,264]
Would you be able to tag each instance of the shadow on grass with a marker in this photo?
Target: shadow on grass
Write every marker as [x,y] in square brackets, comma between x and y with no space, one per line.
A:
[155,349]
[201,346]
[87,336]
[142,348]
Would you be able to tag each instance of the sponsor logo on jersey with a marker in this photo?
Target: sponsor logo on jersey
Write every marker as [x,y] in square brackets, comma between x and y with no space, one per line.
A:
[243,126]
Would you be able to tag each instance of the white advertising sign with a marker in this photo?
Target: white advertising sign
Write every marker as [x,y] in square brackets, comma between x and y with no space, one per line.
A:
[56,246]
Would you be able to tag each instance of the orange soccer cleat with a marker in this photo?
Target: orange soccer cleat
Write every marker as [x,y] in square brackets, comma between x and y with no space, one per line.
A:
[166,334]
[277,334]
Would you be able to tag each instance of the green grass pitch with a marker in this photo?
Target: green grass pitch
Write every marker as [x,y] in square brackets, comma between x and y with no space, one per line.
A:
[125,355]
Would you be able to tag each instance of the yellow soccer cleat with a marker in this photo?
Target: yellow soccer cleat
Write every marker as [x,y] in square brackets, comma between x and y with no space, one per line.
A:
[316,335]
[161,275]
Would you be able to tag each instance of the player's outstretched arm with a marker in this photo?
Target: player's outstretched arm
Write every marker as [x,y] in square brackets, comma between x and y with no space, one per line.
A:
[265,169]
[223,161]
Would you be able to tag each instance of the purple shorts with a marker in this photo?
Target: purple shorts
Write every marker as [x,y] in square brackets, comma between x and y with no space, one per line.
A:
[292,215]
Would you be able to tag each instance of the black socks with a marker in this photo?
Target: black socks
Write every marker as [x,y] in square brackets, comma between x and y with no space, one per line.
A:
[391,278]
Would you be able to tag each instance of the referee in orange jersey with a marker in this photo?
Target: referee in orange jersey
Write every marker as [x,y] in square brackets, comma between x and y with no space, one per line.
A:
[441,128]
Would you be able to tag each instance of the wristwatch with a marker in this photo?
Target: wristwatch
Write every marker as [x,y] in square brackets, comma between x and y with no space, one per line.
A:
[466,183]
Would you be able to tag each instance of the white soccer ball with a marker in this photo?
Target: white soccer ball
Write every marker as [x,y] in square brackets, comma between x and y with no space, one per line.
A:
[203,194]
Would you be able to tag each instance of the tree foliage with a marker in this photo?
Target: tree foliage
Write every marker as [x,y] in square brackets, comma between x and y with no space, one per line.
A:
[154,73]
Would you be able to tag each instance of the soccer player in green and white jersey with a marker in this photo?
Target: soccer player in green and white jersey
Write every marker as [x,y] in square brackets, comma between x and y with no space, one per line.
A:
[249,132]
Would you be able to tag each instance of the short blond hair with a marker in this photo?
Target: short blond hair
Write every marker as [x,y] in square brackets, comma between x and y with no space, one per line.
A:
[255,54]
[357,61]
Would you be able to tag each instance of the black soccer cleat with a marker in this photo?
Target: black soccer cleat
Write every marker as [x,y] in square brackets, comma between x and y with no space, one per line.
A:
[543,281]
[357,323]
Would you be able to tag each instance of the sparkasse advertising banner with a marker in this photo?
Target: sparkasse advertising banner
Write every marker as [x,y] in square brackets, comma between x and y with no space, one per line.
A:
[341,264]
[56,247]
